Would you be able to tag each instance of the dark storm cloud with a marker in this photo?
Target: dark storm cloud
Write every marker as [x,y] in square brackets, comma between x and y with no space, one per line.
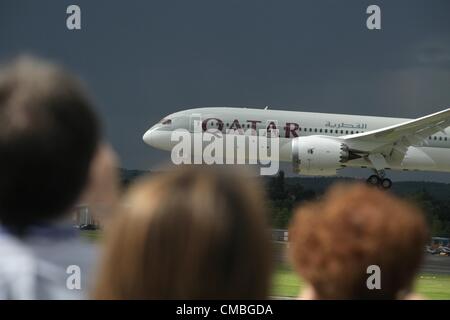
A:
[145,59]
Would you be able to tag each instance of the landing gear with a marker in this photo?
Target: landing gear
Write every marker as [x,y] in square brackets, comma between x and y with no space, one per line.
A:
[386,183]
[374,180]
[379,180]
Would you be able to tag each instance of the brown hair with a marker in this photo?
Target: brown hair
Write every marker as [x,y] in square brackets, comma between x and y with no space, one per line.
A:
[194,233]
[335,239]
[48,137]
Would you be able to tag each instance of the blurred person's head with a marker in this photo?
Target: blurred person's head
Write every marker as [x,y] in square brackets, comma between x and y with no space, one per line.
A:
[51,154]
[335,239]
[194,233]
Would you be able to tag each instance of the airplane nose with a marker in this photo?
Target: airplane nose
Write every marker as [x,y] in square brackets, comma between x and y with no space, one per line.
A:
[157,138]
[148,137]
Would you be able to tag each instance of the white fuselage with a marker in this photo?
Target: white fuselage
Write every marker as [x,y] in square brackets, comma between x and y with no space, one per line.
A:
[435,156]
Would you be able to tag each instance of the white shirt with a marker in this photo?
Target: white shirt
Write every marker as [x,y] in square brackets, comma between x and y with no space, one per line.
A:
[36,266]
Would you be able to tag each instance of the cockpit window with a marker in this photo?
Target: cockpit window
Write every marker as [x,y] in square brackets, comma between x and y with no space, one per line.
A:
[166,121]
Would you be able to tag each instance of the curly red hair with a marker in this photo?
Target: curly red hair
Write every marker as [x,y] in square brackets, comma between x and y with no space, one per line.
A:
[334,240]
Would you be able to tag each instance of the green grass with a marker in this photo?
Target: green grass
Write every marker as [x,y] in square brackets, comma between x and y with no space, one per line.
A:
[91,235]
[287,284]
[433,286]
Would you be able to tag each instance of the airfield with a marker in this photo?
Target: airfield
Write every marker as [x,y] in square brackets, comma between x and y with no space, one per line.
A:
[433,281]
[435,264]
[434,286]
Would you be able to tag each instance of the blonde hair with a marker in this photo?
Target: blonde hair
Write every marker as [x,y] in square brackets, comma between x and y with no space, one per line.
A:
[334,240]
[194,233]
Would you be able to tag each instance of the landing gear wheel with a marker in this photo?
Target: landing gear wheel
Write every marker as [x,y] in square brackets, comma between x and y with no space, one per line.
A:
[374,180]
[386,183]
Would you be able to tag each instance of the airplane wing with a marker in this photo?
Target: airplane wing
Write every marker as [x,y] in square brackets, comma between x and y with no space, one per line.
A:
[395,140]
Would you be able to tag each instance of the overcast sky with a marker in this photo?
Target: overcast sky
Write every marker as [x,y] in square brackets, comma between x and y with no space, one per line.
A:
[145,59]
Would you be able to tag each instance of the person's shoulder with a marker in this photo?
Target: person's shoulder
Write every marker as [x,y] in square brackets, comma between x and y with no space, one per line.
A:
[64,268]
[65,262]
[12,250]
[18,269]
[64,252]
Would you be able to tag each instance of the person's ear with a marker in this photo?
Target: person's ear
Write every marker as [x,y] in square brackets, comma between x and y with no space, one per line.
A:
[102,188]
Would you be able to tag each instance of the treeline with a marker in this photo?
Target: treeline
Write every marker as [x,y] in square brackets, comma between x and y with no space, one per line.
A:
[283,198]
[285,195]
[437,212]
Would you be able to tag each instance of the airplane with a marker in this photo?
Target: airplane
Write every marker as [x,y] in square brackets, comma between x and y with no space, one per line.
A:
[319,144]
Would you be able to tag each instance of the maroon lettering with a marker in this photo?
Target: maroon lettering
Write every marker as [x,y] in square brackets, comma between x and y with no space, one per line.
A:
[205,123]
[254,123]
[236,126]
[291,129]
[271,127]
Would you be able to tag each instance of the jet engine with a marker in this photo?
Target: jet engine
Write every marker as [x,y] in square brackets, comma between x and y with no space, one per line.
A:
[319,156]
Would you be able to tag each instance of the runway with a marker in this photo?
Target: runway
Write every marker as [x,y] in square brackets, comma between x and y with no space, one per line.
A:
[436,264]
[432,264]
